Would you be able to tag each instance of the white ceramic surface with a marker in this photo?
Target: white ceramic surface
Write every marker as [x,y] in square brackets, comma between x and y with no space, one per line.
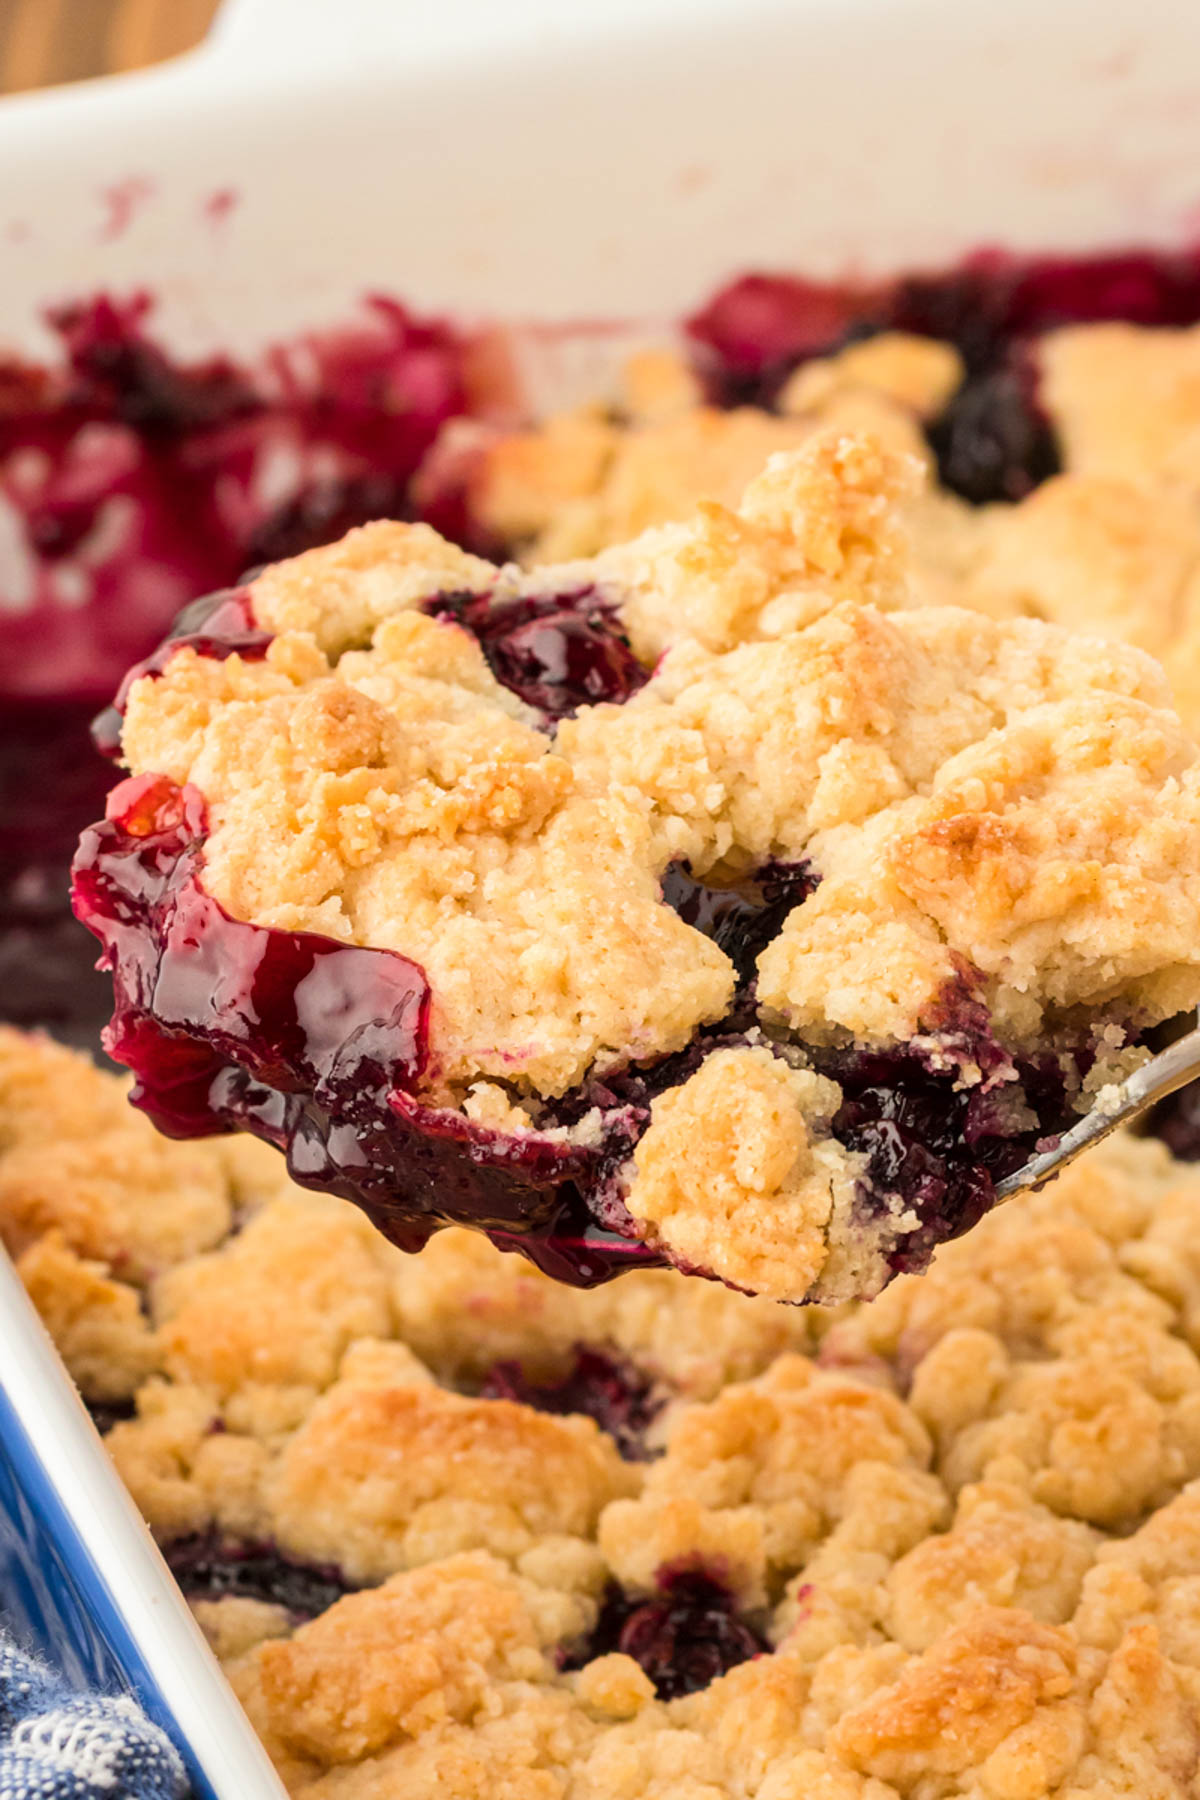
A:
[567,159]
[549,160]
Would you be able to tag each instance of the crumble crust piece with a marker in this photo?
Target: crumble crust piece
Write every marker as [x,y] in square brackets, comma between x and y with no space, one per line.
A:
[582,481]
[1110,546]
[993,815]
[951,1538]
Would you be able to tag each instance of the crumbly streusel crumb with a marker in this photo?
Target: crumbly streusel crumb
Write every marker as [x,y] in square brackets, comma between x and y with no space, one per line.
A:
[727,1165]
[463,1308]
[993,815]
[96,1172]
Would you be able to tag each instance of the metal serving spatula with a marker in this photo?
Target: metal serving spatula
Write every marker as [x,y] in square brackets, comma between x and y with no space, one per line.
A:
[1171,1069]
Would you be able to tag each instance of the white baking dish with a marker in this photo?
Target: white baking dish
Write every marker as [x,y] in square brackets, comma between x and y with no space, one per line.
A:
[82,1578]
[604,159]
[534,162]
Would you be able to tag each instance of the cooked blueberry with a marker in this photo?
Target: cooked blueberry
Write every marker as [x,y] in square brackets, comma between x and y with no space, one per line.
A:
[684,1637]
[325,511]
[606,1388]
[938,1146]
[209,1567]
[758,328]
[557,652]
[48,976]
[117,366]
[742,921]
[107,1413]
[991,442]
[1177,1122]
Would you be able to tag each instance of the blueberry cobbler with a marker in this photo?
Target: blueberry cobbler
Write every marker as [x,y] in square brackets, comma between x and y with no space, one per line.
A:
[706,901]
[458,1531]
[728,844]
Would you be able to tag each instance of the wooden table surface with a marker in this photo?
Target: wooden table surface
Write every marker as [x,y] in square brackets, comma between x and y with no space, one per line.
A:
[44,41]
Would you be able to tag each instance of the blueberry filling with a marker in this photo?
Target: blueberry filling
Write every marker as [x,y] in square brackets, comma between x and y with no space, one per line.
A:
[209,1567]
[107,1413]
[217,626]
[140,480]
[754,332]
[197,430]
[324,511]
[319,1047]
[992,441]
[189,451]
[935,1147]
[740,921]
[604,1387]
[51,782]
[1176,1121]
[556,652]
[117,370]
[684,1637]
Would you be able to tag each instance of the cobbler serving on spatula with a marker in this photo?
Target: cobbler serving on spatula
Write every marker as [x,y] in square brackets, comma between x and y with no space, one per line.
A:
[706,902]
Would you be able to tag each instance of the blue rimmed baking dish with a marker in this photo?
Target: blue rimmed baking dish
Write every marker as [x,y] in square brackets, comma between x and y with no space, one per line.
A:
[81,1579]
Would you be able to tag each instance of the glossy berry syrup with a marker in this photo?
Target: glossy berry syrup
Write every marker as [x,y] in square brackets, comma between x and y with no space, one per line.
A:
[740,921]
[314,1045]
[209,1567]
[216,626]
[604,1387]
[936,1147]
[684,1636]
[556,652]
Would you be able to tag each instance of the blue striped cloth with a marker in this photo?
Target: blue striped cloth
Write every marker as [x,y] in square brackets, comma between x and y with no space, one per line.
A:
[56,1744]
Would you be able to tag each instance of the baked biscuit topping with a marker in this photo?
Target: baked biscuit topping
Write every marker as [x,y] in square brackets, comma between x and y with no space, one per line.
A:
[947,1543]
[709,902]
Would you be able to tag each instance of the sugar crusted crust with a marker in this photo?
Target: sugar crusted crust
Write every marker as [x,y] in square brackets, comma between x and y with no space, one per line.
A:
[965,1518]
[990,808]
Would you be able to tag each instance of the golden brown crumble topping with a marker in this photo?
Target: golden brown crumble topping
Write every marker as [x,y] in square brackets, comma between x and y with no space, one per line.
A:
[986,803]
[1109,547]
[964,1519]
